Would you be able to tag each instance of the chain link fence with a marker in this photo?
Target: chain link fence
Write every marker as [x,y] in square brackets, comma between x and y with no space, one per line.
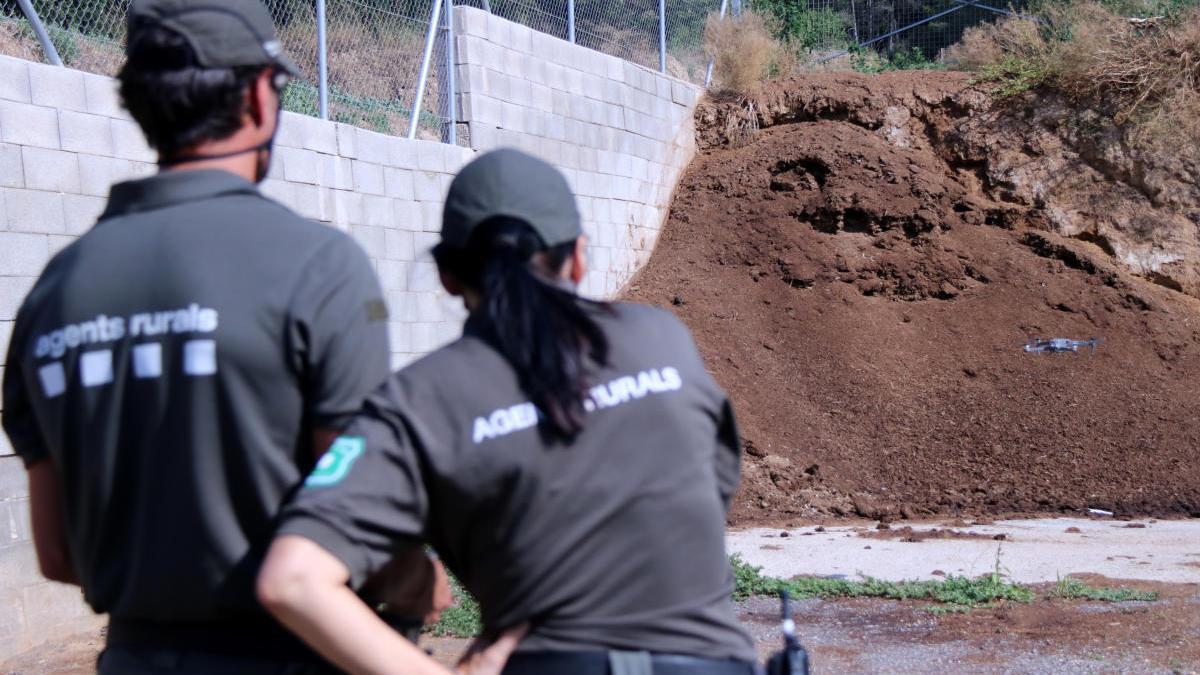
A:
[374,48]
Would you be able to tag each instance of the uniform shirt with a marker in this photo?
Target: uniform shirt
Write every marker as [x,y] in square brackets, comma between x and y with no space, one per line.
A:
[173,363]
[612,541]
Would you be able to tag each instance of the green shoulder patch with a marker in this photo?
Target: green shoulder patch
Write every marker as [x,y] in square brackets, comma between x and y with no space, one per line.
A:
[336,462]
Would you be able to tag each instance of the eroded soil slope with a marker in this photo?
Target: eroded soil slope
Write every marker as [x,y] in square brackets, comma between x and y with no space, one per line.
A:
[863,289]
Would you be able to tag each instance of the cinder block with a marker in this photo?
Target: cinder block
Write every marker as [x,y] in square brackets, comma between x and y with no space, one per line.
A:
[5,335]
[299,166]
[130,143]
[306,201]
[371,239]
[427,186]
[34,211]
[471,21]
[402,153]
[393,275]
[423,277]
[373,147]
[85,133]
[398,183]
[26,124]
[11,173]
[319,135]
[377,212]
[81,212]
[14,80]
[368,178]
[424,338]
[431,217]
[14,522]
[58,242]
[102,96]
[57,87]
[521,92]
[347,140]
[337,172]
[430,157]
[98,174]
[398,245]
[14,483]
[347,208]
[498,30]
[12,292]
[428,310]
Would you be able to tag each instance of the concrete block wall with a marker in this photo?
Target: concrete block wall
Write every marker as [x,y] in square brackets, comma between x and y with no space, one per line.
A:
[621,134]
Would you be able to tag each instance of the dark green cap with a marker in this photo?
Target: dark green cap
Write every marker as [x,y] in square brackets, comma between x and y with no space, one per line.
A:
[510,183]
[223,33]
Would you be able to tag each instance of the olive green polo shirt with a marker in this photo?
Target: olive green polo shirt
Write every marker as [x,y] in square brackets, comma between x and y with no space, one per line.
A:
[614,540]
[173,362]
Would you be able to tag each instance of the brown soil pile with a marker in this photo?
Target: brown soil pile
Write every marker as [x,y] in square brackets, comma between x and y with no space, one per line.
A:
[863,291]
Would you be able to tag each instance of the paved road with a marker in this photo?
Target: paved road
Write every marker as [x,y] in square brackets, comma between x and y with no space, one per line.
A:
[1032,551]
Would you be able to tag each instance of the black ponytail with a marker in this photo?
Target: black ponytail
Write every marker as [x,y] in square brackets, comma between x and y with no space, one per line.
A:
[544,330]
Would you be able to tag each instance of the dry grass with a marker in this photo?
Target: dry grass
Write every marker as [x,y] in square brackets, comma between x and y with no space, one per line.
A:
[744,52]
[991,43]
[1142,73]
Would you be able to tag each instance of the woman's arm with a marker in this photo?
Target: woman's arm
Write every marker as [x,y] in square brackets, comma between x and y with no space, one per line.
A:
[304,586]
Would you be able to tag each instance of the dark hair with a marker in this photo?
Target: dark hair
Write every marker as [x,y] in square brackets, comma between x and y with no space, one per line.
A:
[177,102]
[545,331]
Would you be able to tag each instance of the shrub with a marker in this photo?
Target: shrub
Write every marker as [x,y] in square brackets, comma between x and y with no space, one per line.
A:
[1134,70]
[743,51]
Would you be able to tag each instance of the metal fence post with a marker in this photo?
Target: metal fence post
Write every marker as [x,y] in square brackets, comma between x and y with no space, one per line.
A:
[322,63]
[40,30]
[451,135]
[415,114]
[662,36]
[708,73]
[571,21]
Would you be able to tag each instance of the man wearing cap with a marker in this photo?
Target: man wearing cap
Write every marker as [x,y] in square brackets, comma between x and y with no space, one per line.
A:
[176,371]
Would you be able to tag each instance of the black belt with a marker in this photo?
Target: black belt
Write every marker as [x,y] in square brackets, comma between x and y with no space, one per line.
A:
[596,663]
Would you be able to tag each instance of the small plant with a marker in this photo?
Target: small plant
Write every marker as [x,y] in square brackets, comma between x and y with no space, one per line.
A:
[1069,588]
[1013,75]
[744,52]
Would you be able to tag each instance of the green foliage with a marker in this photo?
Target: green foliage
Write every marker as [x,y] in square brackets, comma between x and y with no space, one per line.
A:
[804,28]
[1014,75]
[953,591]
[462,619]
[1074,589]
[865,60]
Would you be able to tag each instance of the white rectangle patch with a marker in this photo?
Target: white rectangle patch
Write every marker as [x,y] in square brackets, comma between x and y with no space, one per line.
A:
[147,360]
[54,380]
[200,357]
[96,368]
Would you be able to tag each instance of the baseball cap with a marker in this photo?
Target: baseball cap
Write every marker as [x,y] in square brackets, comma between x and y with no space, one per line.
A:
[510,183]
[222,33]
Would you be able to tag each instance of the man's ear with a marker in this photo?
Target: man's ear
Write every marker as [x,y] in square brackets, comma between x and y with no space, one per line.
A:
[579,260]
[261,100]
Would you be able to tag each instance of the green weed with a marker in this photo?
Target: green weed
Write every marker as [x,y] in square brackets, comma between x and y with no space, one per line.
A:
[1074,589]
[1014,75]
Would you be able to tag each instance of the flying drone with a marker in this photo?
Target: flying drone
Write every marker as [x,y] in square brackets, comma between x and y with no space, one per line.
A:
[1059,345]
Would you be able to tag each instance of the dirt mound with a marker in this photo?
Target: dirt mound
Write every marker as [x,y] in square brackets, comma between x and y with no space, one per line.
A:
[863,288]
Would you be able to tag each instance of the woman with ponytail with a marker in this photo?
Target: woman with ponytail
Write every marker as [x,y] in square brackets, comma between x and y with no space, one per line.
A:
[571,461]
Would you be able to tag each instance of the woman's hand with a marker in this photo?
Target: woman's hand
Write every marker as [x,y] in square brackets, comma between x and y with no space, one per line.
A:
[483,658]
